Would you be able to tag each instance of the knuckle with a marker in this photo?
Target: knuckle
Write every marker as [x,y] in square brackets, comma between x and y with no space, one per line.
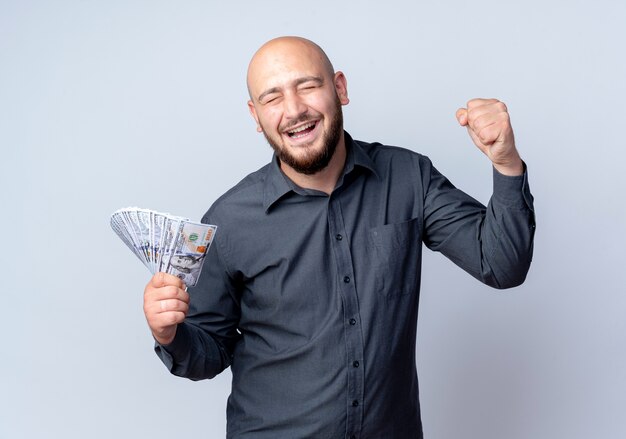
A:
[477,123]
[174,318]
[166,319]
[484,135]
[184,296]
[148,297]
[158,279]
[470,115]
[148,289]
[170,291]
[151,311]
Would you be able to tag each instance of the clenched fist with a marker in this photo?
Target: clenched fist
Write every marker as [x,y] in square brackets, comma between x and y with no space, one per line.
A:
[489,126]
[165,304]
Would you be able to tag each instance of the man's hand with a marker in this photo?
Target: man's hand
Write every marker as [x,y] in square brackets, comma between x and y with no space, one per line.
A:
[489,126]
[165,304]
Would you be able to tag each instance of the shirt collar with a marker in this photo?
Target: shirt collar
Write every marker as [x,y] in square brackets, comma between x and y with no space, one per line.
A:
[357,157]
[277,184]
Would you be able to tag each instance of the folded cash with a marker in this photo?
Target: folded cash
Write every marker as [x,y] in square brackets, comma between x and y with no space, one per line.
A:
[165,242]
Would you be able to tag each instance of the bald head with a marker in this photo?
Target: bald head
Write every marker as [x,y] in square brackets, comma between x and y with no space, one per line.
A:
[295,100]
[282,54]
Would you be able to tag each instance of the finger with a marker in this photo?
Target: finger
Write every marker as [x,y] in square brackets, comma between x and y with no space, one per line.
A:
[496,107]
[169,305]
[155,309]
[487,120]
[168,292]
[170,319]
[461,116]
[479,102]
[490,134]
[164,322]
[162,279]
[484,148]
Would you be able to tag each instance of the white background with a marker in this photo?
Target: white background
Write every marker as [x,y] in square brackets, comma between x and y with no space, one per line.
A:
[106,104]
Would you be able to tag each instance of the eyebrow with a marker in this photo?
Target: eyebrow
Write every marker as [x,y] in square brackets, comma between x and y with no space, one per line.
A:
[317,79]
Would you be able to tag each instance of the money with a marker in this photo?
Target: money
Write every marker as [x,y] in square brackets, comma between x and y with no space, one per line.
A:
[165,242]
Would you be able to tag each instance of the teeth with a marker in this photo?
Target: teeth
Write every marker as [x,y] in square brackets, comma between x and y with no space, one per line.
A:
[302,128]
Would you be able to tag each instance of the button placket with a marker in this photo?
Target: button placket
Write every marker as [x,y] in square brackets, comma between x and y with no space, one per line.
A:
[349,299]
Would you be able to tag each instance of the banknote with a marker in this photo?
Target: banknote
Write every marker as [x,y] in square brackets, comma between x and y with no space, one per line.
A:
[186,259]
[165,242]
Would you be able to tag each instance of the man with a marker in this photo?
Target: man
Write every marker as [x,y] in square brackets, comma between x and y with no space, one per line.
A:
[310,290]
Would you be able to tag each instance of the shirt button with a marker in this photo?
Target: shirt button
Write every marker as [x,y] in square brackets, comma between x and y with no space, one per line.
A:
[338,237]
[355,403]
[346,279]
[352,322]
[355,364]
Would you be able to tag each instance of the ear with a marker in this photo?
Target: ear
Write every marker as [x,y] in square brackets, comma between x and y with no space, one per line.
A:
[254,116]
[341,87]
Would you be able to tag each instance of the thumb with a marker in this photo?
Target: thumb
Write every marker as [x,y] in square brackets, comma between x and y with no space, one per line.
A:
[461,116]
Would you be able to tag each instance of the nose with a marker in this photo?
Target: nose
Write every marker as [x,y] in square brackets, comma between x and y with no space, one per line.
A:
[294,106]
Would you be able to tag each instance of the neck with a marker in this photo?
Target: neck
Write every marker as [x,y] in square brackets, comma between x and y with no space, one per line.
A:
[324,180]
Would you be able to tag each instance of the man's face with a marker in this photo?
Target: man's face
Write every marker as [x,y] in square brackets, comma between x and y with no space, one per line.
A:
[296,101]
[182,261]
[308,157]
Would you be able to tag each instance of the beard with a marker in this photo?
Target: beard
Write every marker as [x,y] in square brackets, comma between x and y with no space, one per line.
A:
[312,161]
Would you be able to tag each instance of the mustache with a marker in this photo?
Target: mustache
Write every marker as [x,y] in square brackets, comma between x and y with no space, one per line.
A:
[304,117]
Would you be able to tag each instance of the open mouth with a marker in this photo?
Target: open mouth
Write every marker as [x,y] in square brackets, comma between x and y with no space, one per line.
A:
[302,130]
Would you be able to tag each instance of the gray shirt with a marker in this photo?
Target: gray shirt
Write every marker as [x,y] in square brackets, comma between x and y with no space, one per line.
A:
[312,300]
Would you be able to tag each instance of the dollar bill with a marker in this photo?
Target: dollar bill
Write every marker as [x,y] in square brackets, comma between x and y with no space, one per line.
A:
[165,242]
[186,260]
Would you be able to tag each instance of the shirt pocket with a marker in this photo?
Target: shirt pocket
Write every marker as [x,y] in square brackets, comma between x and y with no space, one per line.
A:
[396,254]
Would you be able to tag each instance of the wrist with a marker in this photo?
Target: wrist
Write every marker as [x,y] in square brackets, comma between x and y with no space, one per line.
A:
[513,169]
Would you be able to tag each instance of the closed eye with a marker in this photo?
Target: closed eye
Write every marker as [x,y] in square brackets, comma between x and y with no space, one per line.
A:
[270,99]
[309,86]
[309,82]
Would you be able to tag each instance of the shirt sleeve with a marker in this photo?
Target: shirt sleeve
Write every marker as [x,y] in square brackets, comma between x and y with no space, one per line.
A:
[493,243]
[204,343]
